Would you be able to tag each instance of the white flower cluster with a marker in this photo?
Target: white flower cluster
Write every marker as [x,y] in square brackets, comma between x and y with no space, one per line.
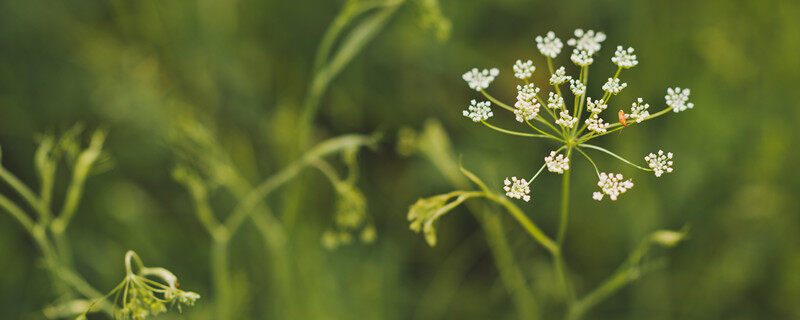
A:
[554,101]
[596,124]
[596,106]
[613,86]
[556,163]
[581,57]
[549,45]
[526,113]
[527,93]
[613,185]
[577,87]
[588,41]
[566,119]
[517,189]
[659,163]
[639,110]
[478,111]
[524,70]
[559,77]
[480,80]
[677,98]
[624,58]
[527,106]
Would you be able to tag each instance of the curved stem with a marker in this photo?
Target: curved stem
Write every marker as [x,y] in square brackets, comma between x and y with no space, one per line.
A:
[542,132]
[590,161]
[550,67]
[613,155]
[17,213]
[245,208]
[526,223]
[495,101]
[517,133]
[24,191]
[507,107]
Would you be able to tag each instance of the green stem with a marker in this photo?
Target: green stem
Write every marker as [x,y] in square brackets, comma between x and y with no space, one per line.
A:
[526,223]
[24,191]
[590,161]
[517,133]
[564,217]
[558,258]
[590,146]
[222,279]
[245,207]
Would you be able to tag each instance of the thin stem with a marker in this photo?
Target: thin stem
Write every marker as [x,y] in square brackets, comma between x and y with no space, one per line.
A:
[537,173]
[613,155]
[526,223]
[495,101]
[552,71]
[17,213]
[582,98]
[590,161]
[542,132]
[517,133]
[245,207]
[507,107]
[23,190]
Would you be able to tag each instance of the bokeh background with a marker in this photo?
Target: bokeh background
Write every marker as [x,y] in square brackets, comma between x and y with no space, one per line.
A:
[242,70]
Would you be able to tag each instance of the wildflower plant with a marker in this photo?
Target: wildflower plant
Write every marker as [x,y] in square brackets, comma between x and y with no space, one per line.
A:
[572,128]
[145,292]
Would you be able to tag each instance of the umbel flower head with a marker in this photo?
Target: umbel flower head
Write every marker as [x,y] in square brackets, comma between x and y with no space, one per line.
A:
[517,188]
[478,111]
[573,122]
[480,80]
[145,292]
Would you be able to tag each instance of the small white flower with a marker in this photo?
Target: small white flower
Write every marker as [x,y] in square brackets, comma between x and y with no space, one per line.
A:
[624,58]
[677,98]
[659,163]
[480,80]
[597,195]
[596,124]
[527,93]
[559,77]
[549,45]
[613,185]
[639,110]
[524,70]
[554,101]
[577,87]
[557,163]
[613,86]
[566,120]
[596,106]
[526,112]
[581,57]
[478,111]
[517,189]
[589,40]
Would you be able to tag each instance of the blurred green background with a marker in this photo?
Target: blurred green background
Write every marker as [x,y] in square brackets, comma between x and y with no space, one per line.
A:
[242,69]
